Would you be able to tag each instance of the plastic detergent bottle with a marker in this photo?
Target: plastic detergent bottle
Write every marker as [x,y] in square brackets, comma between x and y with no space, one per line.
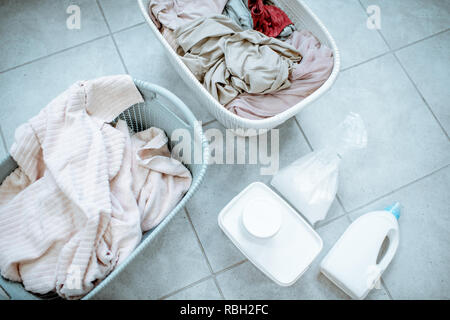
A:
[352,262]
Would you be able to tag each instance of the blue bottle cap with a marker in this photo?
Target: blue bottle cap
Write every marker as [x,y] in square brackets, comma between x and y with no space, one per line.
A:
[394,209]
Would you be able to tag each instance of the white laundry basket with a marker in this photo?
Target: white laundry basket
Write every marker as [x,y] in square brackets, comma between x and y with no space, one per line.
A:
[164,110]
[303,18]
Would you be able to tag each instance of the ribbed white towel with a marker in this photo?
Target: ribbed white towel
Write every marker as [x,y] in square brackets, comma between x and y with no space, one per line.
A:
[81,198]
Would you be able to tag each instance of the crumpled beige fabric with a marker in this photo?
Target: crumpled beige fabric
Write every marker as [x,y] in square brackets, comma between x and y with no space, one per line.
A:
[159,181]
[229,60]
[170,37]
[166,32]
[174,13]
[306,77]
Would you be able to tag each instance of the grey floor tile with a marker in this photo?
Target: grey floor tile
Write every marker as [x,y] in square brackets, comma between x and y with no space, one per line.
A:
[205,290]
[404,141]
[247,282]
[3,295]
[173,261]
[427,63]
[3,148]
[3,153]
[378,294]
[419,269]
[334,212]
[222,183]
[346,21]
[406,21]
[121,13]
[28,89]
[146,59]
[33,29]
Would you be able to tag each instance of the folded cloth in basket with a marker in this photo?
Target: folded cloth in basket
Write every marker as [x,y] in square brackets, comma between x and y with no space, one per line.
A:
[229,60]
[306,77]
[84,190]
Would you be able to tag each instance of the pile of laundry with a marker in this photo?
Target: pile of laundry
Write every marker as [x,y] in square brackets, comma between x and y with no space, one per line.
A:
[85,189]
[247,53]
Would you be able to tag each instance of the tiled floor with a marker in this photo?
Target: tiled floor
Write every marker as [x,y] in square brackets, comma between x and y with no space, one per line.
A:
[396,78]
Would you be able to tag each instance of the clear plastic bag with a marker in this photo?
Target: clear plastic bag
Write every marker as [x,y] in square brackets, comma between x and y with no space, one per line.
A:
[310,183]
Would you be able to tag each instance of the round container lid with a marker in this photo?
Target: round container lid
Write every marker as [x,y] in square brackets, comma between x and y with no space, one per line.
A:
[261,218]
[283,257]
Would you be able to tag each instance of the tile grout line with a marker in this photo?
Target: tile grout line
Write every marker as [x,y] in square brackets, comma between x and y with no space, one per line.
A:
[422,97]
[383,283]
[420,40]
[53,54]
[6,294]
[398,189]
[129,27]
[71,47]
[406,72]
[230,267]
[3,140]
[388,46]
[303,134]
[204,254]
[341,203]
[394,50]
[211,276]
[404,46]
[186,287]
[412,81]
[112,36]
[366,61]
[326,222]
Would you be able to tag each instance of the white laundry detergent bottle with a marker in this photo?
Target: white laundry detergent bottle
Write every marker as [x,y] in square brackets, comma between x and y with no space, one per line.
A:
[352,262]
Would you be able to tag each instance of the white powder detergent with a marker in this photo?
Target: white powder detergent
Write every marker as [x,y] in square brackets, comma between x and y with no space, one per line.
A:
[310,183]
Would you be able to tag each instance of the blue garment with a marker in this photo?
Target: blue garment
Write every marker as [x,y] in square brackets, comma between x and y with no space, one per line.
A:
[237,11]
[287,32]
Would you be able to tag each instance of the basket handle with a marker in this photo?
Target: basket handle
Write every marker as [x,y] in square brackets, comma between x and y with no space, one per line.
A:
[186,113]
[178,104]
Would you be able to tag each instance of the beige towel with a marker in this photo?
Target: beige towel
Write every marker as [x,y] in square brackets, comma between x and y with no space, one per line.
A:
[229,61]
[69,213]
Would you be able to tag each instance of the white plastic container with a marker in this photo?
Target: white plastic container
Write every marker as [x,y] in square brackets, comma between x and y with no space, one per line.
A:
[303,18]
[272,235]
[352,262]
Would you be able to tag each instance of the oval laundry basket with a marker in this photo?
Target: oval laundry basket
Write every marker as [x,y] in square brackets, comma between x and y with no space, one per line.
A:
[303,18]
[161,109]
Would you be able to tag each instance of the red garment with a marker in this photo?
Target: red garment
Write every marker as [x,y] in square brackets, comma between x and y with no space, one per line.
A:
[268,19]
